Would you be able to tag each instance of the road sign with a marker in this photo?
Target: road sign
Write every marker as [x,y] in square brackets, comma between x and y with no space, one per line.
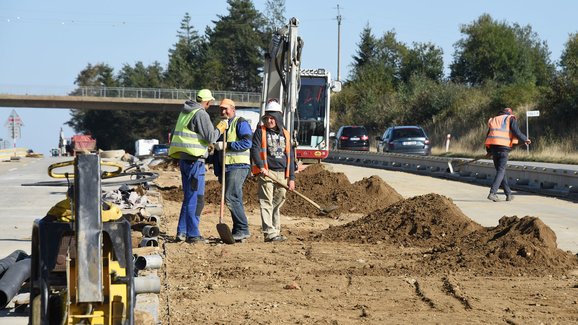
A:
[13,124]
[532,113]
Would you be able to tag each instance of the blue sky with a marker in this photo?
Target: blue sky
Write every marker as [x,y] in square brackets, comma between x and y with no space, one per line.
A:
[45,44]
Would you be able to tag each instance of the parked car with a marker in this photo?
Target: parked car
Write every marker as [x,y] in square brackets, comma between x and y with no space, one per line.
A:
[404,139]
[160,150]
[351,137]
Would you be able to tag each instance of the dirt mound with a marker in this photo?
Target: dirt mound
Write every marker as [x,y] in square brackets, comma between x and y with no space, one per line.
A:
[166,165]
[515,246]
[454,242]
[325,188]
[424,220]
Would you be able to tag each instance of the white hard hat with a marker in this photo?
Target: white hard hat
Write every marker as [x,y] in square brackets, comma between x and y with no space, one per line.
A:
[273,107]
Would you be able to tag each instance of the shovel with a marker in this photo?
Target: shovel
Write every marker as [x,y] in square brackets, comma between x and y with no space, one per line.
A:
[222,228]
[451,167]
[322,210]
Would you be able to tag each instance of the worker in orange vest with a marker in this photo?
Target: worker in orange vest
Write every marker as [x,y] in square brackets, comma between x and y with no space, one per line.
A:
[503,134]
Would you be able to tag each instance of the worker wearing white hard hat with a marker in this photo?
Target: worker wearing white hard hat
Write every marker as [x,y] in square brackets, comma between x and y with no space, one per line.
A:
[272,159]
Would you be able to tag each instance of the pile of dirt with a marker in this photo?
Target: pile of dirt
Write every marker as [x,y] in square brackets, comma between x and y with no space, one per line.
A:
[514,247]
[326,188]
[425,220]
[454,242]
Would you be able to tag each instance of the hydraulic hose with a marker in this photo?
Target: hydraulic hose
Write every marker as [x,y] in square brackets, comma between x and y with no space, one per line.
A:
[12,280]
[9,260]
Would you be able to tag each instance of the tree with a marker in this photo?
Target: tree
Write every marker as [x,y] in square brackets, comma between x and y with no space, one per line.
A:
[237,46]
[274,15]
[366,52]
[424,59]
[186,58]
[495,51]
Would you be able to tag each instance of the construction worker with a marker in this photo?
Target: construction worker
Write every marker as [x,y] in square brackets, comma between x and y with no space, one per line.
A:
[272,157]
[237,166]
[503,133]
[193,132]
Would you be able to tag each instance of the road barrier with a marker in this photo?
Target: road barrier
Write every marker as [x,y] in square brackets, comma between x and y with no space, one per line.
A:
[525,177]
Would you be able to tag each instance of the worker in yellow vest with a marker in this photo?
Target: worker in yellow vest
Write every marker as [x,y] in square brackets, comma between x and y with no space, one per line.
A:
[503,134]
[237,165]
[193,133]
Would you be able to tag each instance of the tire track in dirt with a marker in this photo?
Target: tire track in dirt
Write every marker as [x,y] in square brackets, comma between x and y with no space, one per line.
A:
[453,290]
[421,295]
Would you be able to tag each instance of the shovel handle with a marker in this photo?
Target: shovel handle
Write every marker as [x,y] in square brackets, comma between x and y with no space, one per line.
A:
[295,191]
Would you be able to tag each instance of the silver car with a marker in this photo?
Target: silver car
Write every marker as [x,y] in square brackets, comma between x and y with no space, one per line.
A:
[404,139]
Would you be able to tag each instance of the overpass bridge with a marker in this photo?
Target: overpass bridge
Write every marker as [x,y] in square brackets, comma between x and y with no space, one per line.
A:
[123,98]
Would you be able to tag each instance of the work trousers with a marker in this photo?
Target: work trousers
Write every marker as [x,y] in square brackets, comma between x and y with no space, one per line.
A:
[193,178]
[500,159]
[271,199]
[234,179]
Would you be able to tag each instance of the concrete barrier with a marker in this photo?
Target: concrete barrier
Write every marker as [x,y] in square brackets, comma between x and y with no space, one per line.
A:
[529,177]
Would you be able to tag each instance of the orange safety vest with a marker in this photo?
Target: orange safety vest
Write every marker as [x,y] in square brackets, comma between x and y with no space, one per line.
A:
[263,152]
[499,133]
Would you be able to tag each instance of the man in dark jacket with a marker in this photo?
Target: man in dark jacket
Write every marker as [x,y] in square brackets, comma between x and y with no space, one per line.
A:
[272,157]
[503,133]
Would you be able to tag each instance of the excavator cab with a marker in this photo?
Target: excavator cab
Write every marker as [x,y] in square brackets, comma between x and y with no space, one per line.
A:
[82,267]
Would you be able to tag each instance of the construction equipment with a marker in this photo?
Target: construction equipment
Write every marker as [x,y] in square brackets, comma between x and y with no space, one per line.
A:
[223,228]
[307,120]
[82,268]
[452,168]
[321,210]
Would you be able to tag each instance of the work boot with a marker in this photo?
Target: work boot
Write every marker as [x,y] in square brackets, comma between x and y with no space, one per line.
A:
[180,237]
[241,236]
[509,197]
[493,197]
[276,238]
[196,240]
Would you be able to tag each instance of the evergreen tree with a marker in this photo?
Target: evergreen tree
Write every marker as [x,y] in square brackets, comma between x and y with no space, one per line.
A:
[236,48]
[186,58]
[274,15]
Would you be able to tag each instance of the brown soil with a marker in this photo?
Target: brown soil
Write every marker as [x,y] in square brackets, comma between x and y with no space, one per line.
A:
[377,259]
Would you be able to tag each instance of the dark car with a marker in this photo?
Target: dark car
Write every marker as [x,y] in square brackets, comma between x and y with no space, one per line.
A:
[404,139]
[351,137]
[160,150]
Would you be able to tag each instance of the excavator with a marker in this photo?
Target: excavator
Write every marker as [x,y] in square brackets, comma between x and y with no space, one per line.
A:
[82,269]
[283,79]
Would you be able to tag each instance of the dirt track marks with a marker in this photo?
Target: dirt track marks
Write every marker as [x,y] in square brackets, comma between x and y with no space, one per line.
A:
[454,291]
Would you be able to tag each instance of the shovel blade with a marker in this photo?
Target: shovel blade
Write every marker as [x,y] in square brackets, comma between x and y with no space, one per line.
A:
[225,233]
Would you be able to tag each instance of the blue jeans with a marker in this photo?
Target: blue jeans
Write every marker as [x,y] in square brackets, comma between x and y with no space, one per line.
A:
[500,161]
[234,179]
[193,177]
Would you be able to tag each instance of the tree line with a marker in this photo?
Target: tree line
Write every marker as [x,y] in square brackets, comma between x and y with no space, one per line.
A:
[496,64]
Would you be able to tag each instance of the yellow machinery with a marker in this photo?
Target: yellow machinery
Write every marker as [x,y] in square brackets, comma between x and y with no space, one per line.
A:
[82,267]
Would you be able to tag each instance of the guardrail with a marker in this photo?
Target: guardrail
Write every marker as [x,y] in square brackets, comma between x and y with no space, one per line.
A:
[548,181]
[14,152]
[160,93]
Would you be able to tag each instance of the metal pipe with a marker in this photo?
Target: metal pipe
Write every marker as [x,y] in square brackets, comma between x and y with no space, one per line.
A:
[148,284]
[150,231]
[153,261]
[149,242]
[154,219]
[12,280]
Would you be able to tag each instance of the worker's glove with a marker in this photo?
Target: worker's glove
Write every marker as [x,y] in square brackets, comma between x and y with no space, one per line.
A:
[219,146]
[223,125]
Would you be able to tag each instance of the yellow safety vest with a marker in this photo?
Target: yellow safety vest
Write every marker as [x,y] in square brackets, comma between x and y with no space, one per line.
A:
[236,157]
[186,141]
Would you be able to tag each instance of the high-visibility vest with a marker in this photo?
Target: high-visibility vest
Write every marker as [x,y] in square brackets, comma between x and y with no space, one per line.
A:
[236,157]
[499,132]
[263,152]
[186,141]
